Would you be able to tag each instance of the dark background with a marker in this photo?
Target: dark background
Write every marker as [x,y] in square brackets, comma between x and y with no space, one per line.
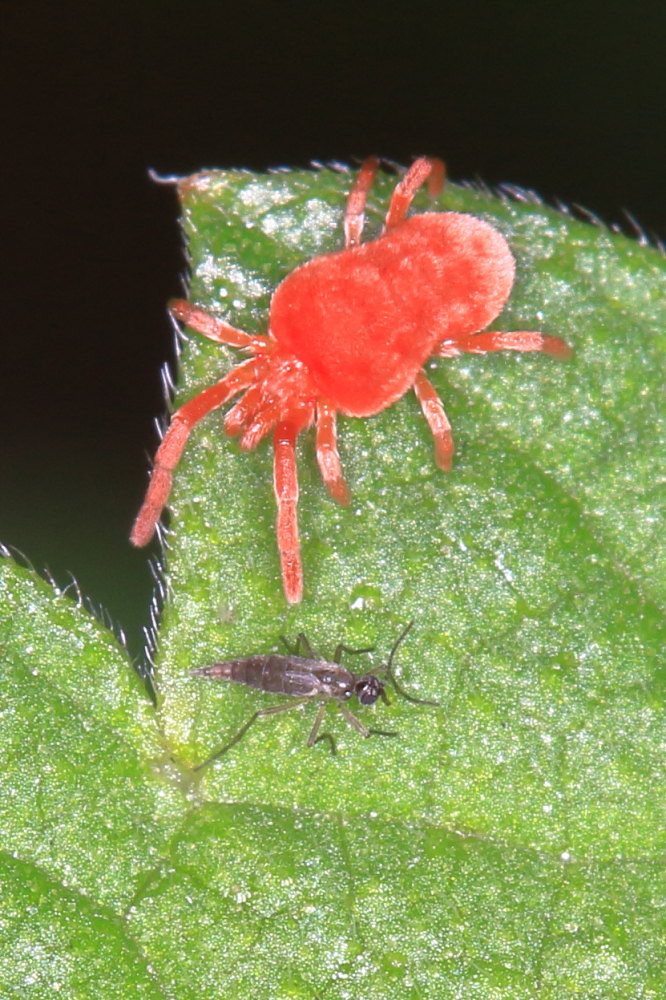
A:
[566,98]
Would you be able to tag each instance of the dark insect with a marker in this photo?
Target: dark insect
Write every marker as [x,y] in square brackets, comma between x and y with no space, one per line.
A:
[305,678]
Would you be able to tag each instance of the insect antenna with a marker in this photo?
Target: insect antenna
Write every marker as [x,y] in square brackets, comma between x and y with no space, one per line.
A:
[391,676]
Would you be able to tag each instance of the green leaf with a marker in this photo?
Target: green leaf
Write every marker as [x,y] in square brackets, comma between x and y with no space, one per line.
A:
[83,817]
[506,844]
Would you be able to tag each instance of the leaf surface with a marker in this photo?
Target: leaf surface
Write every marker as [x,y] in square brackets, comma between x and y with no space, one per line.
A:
[505,844]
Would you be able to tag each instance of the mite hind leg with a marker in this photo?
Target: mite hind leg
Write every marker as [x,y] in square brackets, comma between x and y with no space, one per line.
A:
[355,210]
[495,340]
[438,422]
[328,457]
[427,168]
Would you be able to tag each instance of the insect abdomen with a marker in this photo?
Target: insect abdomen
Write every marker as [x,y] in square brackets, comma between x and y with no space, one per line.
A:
[274,674]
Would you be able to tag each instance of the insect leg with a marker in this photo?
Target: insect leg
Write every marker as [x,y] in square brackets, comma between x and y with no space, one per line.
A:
[285,482]
[314,732]
[341,648]
[301,644]
[174,440]
[493,340]
[353,721]
[427,168]
[354,212]
[438,422]
[214,329]
[272,710]
[328,456]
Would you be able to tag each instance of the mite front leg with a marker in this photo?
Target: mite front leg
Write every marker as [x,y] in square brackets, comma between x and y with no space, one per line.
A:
[328,456]
[516,340]
[285,481]
[438,422]
[354,212]
[171,448]
[214,329]
[427,168]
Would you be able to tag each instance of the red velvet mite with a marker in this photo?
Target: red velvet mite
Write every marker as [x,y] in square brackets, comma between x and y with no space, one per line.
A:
[350,331]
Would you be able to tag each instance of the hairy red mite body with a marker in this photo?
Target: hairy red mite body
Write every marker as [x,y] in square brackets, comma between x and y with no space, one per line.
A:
[350,331]
[395,307]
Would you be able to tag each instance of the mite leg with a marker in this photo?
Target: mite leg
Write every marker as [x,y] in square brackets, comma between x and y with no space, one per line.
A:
[243,411]
[214,329]
[354,212]
[314,732]
[174,440]
[273,710]
[261,422]
[328,456]
[286,493]
[433,411]
[493,340]
[427,168]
